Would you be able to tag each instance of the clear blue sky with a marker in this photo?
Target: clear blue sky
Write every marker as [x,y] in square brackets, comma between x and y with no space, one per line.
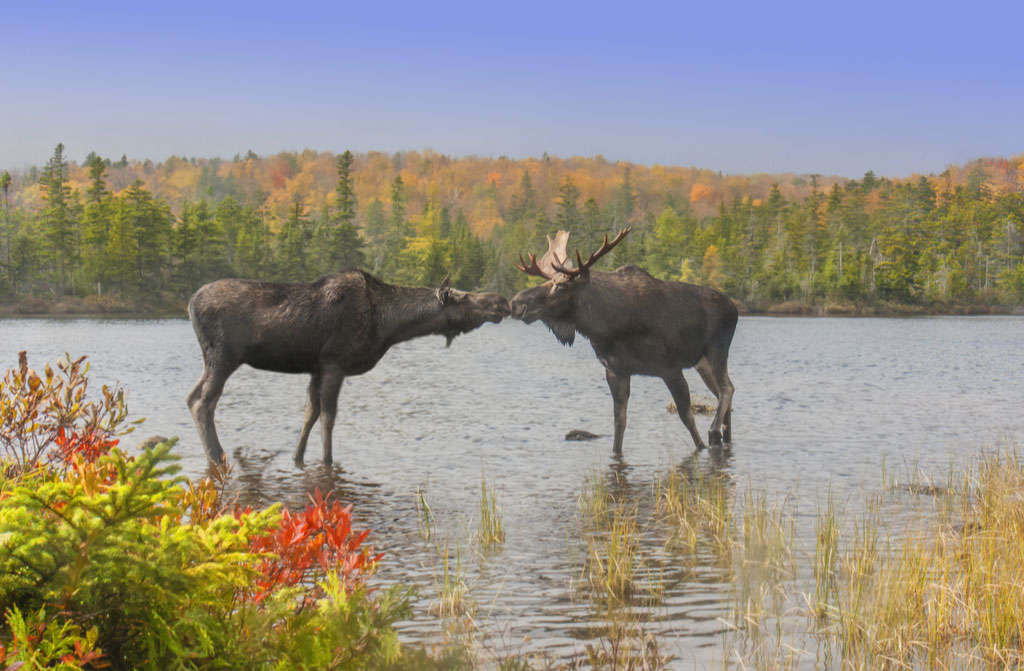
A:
[828,87]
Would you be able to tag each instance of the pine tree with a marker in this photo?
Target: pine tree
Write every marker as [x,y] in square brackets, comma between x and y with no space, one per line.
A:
[96,225]
[346,203]
[58,227]
[524,203]
[592,229]
[470,271]
[151,229]
[625,202]
[293,243]
[375,227]
[253,244]
[6,280]
[228,216]
[397,229]
[434,264]
[567,216]
[347,248]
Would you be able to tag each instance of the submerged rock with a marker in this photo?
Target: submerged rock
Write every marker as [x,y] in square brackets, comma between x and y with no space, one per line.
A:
[580,434]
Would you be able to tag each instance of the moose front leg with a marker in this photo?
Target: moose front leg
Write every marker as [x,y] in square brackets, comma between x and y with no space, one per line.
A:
[619,385]
[202,403]
[330,388]
[312,414]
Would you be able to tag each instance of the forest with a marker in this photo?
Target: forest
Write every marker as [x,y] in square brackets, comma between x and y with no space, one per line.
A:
[129,235]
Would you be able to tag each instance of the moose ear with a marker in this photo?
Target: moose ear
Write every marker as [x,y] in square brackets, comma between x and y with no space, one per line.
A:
[445,290]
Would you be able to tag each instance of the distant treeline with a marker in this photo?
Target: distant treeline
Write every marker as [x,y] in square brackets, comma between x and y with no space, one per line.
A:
[149,234]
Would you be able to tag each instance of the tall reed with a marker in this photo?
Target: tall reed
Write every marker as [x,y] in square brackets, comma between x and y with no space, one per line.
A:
[491,531]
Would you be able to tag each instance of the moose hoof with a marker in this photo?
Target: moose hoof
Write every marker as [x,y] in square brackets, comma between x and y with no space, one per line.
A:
[715,437]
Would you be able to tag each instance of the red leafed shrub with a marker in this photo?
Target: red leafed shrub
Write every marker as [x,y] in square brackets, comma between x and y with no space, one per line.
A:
[46,420]
[311,544]
[89,446]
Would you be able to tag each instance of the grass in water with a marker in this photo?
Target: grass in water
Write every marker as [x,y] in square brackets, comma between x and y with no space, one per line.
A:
[424,516]
[945,592]
[613,557]
[491,531]
[697,508]
[615,572]
[452,592]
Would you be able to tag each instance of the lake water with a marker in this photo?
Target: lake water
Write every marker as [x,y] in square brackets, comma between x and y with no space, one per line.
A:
[820,405]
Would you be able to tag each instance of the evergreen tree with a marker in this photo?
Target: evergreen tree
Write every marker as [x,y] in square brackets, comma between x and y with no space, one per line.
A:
[625,202]
[592,230]
[346,203]
[434,264]
[375,226]
[6,278]
[397,229]
[57,219]
[567,215]
[253,246]
[293,245]
[228,216]
[524,202]
[150,228]
[667,247]
[470,271]
[121,249]
[96,224]
[347,247]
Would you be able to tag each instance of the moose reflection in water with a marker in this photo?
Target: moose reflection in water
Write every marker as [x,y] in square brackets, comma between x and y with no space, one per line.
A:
[337,326]
[637,325]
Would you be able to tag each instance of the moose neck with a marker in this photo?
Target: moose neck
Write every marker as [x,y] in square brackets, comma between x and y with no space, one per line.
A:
[601,307]
[411,313]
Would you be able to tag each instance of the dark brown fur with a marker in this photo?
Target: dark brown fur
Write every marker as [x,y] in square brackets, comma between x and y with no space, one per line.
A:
[640,325]
[337,326]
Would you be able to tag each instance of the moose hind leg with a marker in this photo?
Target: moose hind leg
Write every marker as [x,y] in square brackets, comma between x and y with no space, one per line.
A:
[716,377]
[330,388]
[681,395]
[619,385]
[202,403]
[312,414]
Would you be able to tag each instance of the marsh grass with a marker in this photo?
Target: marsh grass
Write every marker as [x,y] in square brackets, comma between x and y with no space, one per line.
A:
[453,599]
[950,592]
[826,558]
[916,574]
[613,565]
[944,589]
[595,501]
[613,558]
[491,531]
[698,510]
[424,515]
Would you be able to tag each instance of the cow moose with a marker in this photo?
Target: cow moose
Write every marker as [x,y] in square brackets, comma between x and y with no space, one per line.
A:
[637,325]
[334,327]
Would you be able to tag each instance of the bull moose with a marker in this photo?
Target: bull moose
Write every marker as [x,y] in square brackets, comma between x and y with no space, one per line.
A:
[637,325]
[337,326]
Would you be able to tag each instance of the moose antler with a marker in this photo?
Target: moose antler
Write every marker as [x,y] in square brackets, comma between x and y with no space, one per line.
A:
[584,267]
[533,268]
[545,267]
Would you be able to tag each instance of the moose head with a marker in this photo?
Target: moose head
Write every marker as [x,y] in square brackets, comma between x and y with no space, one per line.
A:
[464,311]
[555,302]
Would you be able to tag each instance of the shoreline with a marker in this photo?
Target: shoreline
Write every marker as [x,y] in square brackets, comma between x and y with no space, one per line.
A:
[836,309]
[109,307]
